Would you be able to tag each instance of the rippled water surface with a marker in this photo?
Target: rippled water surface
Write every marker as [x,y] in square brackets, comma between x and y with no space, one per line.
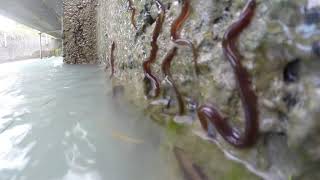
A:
[59,121]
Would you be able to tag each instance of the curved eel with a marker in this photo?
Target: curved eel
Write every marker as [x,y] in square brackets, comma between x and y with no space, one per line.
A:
[150,79]
[210,114]
[165,67]
[176,29]
[175,37]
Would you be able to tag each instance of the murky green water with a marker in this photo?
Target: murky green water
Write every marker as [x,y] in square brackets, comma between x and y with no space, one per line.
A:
[61,122]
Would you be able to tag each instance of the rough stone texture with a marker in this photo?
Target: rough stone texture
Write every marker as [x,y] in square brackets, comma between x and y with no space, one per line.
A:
[278,53]
[79,31]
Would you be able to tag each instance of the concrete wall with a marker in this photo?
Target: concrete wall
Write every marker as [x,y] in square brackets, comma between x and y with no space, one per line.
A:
[277,55]
[288,116]
[79,33]
[19,46]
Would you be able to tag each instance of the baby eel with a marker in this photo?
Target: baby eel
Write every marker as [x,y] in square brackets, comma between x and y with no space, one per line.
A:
[176,29]
[150,79]
[133,14]
[248,97]
[166,65]
[113,47]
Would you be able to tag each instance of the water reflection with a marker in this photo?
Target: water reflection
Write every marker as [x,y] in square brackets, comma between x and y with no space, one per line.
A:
[14,157]
[74,175]
[313,3]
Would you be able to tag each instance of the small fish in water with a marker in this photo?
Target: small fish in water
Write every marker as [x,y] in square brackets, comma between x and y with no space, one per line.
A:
[190,170]
[125,138]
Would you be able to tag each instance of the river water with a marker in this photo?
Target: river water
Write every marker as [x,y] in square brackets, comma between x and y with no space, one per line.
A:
[59,121]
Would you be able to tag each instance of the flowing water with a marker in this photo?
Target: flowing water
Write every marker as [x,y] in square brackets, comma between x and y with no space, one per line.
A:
[59,121]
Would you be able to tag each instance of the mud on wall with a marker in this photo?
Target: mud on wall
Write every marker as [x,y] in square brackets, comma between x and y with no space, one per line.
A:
[279,52]
[79,31]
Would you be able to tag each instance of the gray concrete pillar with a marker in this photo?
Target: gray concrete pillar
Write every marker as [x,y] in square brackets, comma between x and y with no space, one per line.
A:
[79,33]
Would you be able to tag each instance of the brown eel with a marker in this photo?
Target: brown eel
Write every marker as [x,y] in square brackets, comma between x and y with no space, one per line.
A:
[151,81]
[176,30]
[175,37]
[166,65]
[210,114]
[113,47]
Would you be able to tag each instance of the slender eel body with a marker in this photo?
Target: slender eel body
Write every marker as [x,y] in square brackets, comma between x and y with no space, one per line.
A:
[150,80]
[112,59]
[133,14]
[176,29]
[166,65]
[248,97]
[175,37]
[178,23]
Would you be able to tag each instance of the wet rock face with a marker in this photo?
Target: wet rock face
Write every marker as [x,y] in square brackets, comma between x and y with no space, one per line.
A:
[79,34]
[281,54]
